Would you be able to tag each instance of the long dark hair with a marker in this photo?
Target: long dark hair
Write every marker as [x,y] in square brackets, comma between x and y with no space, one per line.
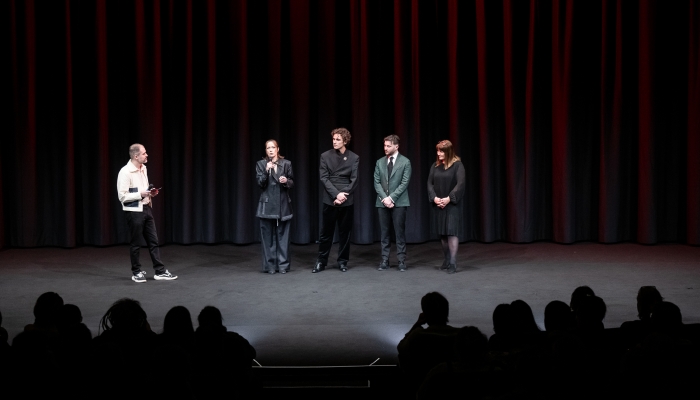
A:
[126,315]
[450,157]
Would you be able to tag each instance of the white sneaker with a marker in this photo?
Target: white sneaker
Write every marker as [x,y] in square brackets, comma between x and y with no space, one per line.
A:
[139,278]
[165,276]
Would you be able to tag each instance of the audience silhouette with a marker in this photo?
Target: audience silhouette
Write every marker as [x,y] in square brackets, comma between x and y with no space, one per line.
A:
[471,374]
[575,356]
[635,331]
[421,349]
[557,317]
[503,328]
[3,334]
[579,294]
[223,359]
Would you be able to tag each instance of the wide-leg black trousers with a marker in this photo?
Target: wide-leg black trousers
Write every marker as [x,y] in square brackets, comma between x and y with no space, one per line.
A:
[274,236]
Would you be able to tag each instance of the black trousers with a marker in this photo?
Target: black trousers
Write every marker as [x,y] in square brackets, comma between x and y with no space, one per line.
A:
[397,217]
[274,236]
[141,224]
[343,216]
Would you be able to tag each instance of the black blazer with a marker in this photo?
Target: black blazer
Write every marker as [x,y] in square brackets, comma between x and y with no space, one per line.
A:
[275,202]
[338,173]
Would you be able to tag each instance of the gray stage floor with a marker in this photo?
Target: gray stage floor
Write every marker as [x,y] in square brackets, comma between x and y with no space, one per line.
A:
[352,318]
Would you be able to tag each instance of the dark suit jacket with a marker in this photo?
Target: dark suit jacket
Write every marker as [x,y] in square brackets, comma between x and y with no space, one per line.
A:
[275,202]
[338,173]
[394,186]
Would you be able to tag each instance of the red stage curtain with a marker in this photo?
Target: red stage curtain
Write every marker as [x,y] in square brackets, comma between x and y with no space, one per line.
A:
[575,120]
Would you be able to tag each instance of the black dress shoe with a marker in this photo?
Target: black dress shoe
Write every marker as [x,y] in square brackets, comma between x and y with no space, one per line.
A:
[343,268]
[383,266]
[402,266]
[283,271]
[271,272]
[318,268]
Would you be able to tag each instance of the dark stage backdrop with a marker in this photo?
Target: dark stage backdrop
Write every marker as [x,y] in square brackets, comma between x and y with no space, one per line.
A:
[576,120]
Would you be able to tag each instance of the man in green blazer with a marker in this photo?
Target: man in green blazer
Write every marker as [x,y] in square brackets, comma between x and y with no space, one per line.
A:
[391,176]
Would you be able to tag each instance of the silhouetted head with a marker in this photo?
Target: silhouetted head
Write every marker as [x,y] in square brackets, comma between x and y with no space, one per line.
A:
[70,314]
[125,315]
[578,294]
[435,308]
[178,321]
[647,298]
[557,316]
[590,313]
[471,346]
[503,319]
[46,309]
[523,318]
[666,317]
[210,318]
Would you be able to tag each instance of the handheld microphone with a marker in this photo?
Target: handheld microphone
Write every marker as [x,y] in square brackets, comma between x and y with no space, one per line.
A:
[269,171]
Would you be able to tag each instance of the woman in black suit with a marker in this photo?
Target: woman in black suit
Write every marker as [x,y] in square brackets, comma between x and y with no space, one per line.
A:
[275,177]
[445,191]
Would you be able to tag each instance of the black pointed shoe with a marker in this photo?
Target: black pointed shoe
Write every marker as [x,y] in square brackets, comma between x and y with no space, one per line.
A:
[318,268]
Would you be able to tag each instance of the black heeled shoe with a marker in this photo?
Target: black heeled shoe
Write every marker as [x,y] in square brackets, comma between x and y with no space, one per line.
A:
[451,269]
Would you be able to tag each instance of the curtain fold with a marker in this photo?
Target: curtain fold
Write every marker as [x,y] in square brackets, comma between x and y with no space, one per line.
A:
[693,138]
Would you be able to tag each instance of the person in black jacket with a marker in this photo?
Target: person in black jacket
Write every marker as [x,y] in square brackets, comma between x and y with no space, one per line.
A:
[338,174]
[275,177]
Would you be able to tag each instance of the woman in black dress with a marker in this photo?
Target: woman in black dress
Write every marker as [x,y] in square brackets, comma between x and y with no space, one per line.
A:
[275,177]
[445,191]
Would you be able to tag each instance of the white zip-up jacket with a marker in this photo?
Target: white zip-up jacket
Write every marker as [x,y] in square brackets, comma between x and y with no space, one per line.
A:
[130,183]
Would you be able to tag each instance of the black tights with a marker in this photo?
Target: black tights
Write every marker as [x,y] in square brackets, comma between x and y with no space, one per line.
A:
[450,245]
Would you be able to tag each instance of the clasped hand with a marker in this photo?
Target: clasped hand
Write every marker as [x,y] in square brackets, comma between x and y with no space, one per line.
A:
[340,198]
[387,202]
[441,202]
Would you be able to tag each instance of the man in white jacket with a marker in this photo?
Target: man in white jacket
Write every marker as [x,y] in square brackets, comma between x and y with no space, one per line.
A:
[136,196]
